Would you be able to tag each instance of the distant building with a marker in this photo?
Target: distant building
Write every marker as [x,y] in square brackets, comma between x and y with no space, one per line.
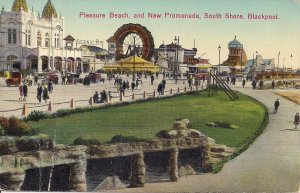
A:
[165,55]
[35,42]
[259,64]
[237,55]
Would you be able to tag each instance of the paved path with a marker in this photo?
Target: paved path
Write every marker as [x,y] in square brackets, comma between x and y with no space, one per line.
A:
[271,164]
[62,95]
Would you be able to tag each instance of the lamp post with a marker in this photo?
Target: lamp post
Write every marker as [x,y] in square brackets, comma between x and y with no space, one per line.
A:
[291,62]
[278,60]
[134,53]
[219,48]
[175,66]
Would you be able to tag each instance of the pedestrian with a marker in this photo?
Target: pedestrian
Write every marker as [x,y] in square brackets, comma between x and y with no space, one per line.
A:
[21,91]
[164,74]
[104,97]
[152,79]
[243,83]
[273,84]
[276,105]
[160,88]
[296,120]
[253,84]
[36,78]
[137,83]
[261,84]
[25,91]
[45,94]
[190,82]
[96,97]
[163,85]
[63,79]
[39,92]
[50,86]
[132,85]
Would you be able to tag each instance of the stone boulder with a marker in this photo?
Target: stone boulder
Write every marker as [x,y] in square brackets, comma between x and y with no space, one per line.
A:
[186,171]
[110,183]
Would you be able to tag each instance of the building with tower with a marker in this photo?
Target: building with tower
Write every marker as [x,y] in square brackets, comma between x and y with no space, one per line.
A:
[237,56]
[34,41]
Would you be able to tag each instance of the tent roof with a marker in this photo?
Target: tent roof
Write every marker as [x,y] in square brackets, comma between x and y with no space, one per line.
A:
[134,59]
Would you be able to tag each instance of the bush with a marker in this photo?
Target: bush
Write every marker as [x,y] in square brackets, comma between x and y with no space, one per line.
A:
[4,122]
[30,143]
[163,134]
[17,127]
[125,139]
[2,131]
[81,141]
[223,124]
[37,115]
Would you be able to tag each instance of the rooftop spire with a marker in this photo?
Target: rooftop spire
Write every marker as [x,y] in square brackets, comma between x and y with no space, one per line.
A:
[18,5]
[49,10]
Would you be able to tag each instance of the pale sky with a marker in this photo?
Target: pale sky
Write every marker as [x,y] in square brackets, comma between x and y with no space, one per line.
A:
[268,37]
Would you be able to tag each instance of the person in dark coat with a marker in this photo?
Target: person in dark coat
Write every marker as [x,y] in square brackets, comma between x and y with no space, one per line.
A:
[152,79]
[160,88]
[50,86]
[96,97]
[25,91]
[45,94]
[39,92]
[132,85]
[276,105]
[163,85]
[296,120]
[253,84]
[243,83]
[273,84]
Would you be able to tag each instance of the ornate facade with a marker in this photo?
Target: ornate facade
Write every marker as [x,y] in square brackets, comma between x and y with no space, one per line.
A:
[33,41]
[237,55]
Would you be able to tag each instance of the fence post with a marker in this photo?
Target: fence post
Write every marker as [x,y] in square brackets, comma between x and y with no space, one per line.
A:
[121,97]
[72,105]
[144,94]
[178,90]
[185,89]
[91,101]
[154,93]
[197,87]
[25,110]
[50,107]
[171,91]
[132,96]
[191,88]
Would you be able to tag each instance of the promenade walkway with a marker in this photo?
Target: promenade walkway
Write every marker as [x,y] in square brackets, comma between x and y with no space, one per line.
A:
[271,164]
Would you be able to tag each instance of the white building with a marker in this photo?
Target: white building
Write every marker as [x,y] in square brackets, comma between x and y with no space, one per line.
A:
[32,41]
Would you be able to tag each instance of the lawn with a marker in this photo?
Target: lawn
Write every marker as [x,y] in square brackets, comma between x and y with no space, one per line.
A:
[143,120]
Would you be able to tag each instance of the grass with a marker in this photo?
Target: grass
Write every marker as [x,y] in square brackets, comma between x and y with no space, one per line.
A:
[143,120]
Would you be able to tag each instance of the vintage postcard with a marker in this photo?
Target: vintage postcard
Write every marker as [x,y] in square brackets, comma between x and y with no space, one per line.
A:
[149,96]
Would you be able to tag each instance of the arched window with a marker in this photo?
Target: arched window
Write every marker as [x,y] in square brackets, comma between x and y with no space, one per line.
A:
[47,40]
[39,38]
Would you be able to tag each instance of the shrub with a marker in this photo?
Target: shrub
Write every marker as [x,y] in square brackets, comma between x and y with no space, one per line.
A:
[37,115]
[38,142]
[223,124]
[125,139]
[2,131]
[17,127]
[4,122]
[163,134]
[81,141]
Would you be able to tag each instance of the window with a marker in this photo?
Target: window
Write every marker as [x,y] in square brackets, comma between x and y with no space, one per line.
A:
[56,41]
[47,40]
[27,38]
[12,36]
[39,39]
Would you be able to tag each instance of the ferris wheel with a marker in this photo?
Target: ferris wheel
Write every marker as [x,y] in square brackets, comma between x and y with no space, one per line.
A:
[134,39]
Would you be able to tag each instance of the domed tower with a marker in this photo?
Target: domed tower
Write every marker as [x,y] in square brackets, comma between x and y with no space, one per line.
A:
[237,54]
[18,5]
[49,11]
